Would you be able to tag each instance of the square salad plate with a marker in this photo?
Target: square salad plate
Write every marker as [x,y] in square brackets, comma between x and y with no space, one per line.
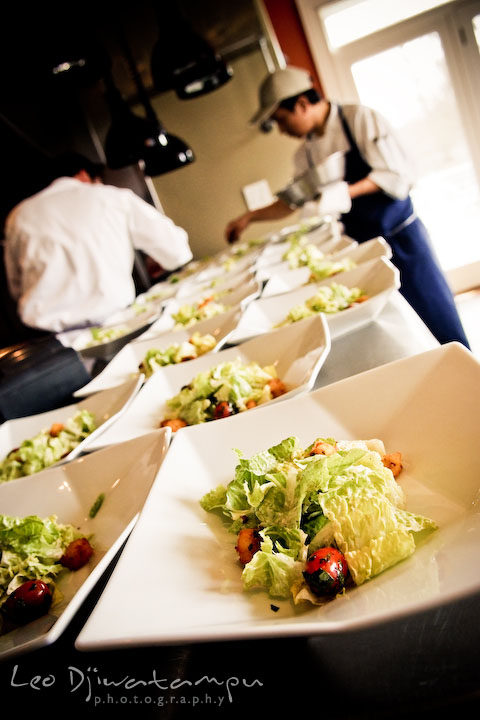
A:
[234,299]
[377,278]
[106,407]
[158,293]
[125,365]
[222,264]
[314,226]
[111,337]
[272,256]
[191,269]
[228,265]
[115,482]
[223,283]
[297,354]
[283,278]
[187,558]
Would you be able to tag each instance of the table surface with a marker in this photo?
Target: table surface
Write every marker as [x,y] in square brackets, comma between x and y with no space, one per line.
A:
[417,666]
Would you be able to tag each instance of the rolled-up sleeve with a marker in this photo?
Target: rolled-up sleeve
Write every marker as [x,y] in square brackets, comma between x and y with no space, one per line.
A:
[157,235]
[380,147]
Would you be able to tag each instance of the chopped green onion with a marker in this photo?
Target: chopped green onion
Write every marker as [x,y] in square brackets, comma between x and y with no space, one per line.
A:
[97,505]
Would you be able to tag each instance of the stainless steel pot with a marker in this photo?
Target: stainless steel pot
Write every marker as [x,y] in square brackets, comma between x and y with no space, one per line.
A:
[309,185]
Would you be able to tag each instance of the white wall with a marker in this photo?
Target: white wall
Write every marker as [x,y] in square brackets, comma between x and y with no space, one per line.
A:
[204,196]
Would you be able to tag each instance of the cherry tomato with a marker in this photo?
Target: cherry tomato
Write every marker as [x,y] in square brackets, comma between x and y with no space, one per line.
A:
[28,602]
[77,554]
[222,410]
[326,571]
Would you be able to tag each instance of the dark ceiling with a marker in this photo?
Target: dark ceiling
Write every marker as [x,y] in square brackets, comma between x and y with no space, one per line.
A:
[39,112]
[43,35]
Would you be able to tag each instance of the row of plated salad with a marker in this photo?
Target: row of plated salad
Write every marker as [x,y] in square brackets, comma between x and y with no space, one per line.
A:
[235,332]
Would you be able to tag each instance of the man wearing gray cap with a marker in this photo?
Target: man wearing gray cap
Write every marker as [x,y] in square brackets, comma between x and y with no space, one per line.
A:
[373,197]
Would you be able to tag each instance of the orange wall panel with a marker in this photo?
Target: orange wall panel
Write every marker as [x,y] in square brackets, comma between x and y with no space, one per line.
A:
[291,37]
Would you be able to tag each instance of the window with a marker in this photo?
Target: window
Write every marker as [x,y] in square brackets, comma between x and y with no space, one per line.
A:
[350,20]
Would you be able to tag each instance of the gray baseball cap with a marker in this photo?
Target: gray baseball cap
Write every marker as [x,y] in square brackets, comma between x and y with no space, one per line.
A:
[277,86]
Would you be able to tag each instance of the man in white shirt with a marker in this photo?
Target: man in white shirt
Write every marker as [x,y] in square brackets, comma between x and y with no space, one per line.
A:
[373,198]
[69,249]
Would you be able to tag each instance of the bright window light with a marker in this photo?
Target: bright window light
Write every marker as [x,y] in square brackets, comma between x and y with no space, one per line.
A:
[349,20]
[476,29]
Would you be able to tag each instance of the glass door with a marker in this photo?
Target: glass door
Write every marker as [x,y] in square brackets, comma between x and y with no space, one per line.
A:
[421,71]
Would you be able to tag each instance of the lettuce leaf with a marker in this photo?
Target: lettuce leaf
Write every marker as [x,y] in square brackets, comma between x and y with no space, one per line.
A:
[275,566]
[234,382]
[300,502]
[45,449]
[30,549]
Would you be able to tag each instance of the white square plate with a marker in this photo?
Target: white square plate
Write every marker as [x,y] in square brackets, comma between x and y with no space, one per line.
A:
[226,265]
[426,406]
[223,283]
[238,298]
[134,324]
[190,270]
[315,227]
[378,278]
[158,293]
[271,259]
[125,475]
[106,406]
[283,279]
[125,364]
[297,353]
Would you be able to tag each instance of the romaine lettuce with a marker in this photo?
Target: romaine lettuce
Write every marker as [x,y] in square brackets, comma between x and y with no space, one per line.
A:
[30,549]
[300,501]
[47,448]
[235,383]
[328,299]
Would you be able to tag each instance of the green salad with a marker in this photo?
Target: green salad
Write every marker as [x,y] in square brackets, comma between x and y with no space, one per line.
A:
[300,254]
[102,335]
[320,266]
[328,299]
[226,389]
[189,314]
[139,308]
[230,262]
[34,552]
[320,269]
[312,520]
[30,549]
[297,236]
[177,353]
[193,267]
[47,447]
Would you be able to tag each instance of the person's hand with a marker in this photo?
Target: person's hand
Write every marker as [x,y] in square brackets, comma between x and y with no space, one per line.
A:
[335,199]
[235,227]
[153,268]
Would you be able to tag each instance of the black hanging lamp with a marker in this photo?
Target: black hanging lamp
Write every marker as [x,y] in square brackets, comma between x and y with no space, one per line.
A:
[132,138]
[182,60]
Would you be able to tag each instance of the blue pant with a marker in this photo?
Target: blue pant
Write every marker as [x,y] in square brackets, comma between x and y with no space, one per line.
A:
[423,283]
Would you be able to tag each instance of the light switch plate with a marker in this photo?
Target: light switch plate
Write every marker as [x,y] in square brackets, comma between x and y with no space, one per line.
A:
[257,194]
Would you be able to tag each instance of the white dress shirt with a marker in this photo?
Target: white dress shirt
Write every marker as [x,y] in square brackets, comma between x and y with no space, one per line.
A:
[69,251]
[376,141]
